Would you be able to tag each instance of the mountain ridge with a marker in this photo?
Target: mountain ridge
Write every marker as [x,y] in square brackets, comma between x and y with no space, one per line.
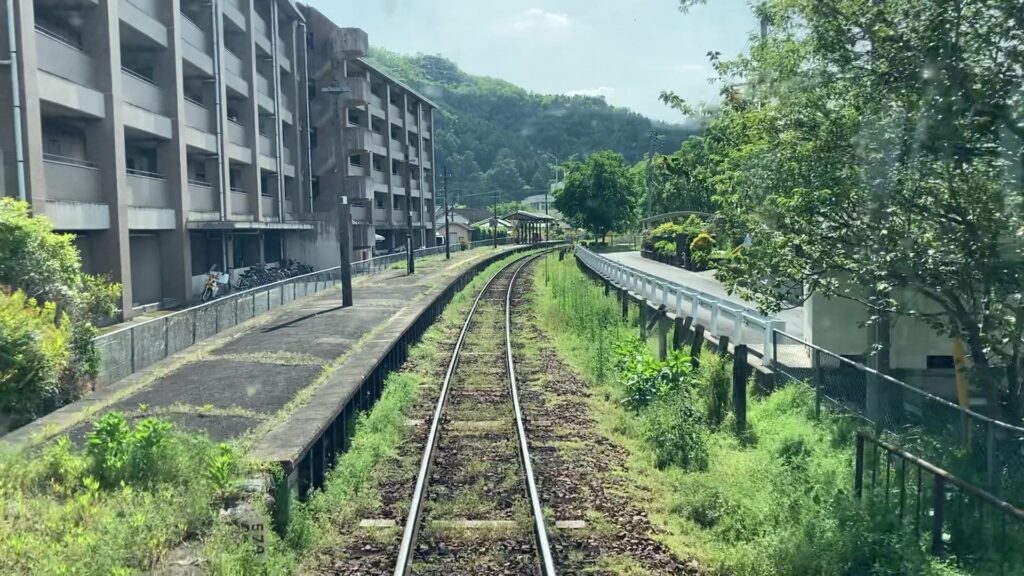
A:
[499,139]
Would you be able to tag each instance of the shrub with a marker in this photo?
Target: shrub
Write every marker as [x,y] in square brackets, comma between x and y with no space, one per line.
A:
[667,230]
[46,267]
[715,383]
[644,378]
[34,352]
[701,247]
[674,430]
[665,248]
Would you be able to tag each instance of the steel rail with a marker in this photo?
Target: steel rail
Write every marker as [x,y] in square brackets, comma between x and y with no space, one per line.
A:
[540,531]
[409,534]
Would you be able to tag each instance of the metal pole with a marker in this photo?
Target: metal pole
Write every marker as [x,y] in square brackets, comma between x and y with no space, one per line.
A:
[345,215]
[494,224]
[447,234]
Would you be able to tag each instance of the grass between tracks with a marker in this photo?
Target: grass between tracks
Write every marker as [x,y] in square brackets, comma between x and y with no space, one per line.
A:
[776,502]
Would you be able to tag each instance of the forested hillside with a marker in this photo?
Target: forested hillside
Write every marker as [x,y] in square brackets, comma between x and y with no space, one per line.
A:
[494,135]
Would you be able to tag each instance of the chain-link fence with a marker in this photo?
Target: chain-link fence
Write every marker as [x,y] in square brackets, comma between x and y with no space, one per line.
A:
[972,446]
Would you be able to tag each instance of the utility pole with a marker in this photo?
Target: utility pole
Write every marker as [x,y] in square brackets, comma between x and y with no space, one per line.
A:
[494,223]
[344,210]
[653,143]
[447,234]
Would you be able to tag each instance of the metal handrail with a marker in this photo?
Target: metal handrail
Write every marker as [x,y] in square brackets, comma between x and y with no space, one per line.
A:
[145,174]
[649,286]
[200,183]
[56,158]
[138,76]
[54,36]
[903,385]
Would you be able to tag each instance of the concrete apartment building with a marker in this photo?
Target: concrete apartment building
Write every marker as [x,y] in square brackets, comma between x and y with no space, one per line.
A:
[383,155]
[170,136]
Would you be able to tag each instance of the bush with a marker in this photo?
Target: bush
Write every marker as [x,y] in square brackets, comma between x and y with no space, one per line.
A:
[644,378]
[667,230]
[34,353]
[665,248]
[674,430]
[701,247]
[715,383]
[45,268]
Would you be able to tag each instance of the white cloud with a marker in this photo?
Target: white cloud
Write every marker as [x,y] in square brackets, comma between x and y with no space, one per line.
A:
[600,91]
[536,19]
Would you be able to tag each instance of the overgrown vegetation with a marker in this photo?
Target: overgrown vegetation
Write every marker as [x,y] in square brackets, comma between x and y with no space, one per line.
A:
[777,501]
[48,309]
[118,506]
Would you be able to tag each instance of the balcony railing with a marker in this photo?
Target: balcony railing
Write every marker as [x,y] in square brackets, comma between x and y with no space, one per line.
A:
[60,57]
[192,34]
[72,179]
[237,134]
[202,197]
[267,147]
[232,63]
[148,189]
[141,91]
[198,116]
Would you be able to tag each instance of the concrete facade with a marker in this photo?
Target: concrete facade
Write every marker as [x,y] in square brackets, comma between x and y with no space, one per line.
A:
[167,135]
[382,157]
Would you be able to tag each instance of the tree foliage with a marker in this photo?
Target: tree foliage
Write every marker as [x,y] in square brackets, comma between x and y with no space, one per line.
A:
[504,128]
[598,194]
[875,150]
[47,312]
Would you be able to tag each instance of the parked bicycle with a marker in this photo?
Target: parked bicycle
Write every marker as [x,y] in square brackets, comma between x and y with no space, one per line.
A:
[259,274]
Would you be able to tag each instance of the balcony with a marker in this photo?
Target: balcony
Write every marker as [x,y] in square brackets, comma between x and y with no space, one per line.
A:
[352,43]
[240,202]
[143,16]
[288,155]
[380,216]
[284,55]
[360,214]
[379,140]
[269,206]
[265,93]
[233,11]
[237,134]
[267,146]
[359,188]
[65,60]
[72,179]
[259,31]
[198,116]
[141,92]
[148,189]
[358,139]
[416,216]
[196,45]
[202,197]
[235,72]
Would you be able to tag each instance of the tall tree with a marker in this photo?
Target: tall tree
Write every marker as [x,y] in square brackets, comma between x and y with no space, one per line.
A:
[598,194]
[876,152]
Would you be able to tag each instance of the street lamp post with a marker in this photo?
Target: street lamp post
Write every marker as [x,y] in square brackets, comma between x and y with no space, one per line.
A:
[447,234]
[344,209]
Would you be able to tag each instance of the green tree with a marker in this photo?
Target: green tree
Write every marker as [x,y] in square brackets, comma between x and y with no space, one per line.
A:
[504,179]
[875,150]
[42,269]
[598,194]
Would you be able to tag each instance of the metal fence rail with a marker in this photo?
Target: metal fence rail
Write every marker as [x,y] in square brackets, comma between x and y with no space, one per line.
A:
[132,348]
[982,531]
[745,325]
[977,448]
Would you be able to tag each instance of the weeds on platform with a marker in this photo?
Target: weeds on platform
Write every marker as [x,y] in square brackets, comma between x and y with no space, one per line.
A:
[119,505]
[776,502]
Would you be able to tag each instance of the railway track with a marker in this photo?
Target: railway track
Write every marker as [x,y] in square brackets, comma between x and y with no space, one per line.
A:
[475,508]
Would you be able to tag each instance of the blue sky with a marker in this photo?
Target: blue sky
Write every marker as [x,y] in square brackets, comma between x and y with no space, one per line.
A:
[627,50]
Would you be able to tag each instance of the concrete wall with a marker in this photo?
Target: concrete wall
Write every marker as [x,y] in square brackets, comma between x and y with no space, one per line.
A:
[145,259]
[317,247]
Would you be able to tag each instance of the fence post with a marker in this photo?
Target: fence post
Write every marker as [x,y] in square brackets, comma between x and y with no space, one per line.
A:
[643,318]
[698,342]
[816,377]
[858,470]
[938,503]
[871,399]
[737,326]
[678,334]
[662,339]
[714,317]
[723,345]
[625,303]
[990,458]
[739,388]
[694,304]
[607,287]
[679,302]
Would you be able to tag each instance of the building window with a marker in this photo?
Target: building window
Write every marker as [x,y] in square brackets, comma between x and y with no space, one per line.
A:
[378,202]
[394,167]
[940,363]
[396,202]
[353,118]
[378,164]
[356,160]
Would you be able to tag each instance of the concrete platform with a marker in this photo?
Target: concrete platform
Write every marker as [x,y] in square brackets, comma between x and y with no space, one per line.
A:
[276,381]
